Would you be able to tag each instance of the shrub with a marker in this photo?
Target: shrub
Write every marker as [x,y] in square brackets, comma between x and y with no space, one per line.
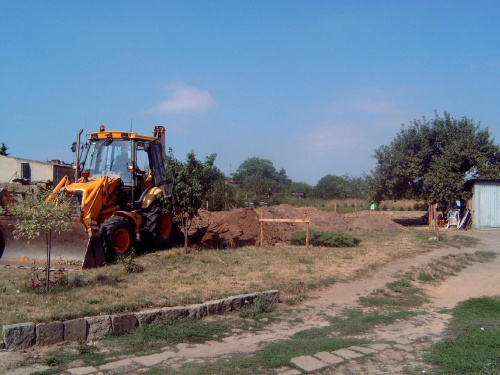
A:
[328,239]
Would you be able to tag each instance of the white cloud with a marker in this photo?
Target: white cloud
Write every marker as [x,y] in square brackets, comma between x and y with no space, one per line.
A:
[370,101]
[369,105]
[185,99]
[322,140]
[355,123]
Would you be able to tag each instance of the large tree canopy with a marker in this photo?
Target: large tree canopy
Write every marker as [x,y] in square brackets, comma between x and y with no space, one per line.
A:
[260,178]
[340,187]
[433,159]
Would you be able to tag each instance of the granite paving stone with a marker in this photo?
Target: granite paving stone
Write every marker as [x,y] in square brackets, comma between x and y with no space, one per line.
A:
[81,370]
[347,354]
[329,358]
[154,359]
[308,363]
[363,349]
[379,346]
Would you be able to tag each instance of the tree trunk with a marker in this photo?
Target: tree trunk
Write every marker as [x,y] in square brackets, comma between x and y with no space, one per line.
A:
[48,241]
[185,222]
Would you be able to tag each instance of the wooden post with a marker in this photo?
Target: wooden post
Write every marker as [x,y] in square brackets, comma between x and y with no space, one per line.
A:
[335,205]
[356,207]
[261,227]
[430,213]
[307,233]
[436,227]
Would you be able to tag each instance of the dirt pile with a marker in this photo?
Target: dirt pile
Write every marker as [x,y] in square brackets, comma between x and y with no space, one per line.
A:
[242,228]
[226,228]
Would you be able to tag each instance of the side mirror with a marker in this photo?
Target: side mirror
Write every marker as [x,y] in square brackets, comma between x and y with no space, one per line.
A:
[73,147]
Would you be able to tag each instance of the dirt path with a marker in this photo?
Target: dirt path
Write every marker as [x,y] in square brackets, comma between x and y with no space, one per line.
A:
[400,345]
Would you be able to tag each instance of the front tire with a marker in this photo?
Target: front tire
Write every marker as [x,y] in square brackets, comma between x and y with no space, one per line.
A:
[118,237]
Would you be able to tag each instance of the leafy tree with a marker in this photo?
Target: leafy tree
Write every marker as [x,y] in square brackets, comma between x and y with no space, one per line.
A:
[340,187]
[191,183]
[3,149]
[42,215]
[260,178]
[433,159]
[219,196]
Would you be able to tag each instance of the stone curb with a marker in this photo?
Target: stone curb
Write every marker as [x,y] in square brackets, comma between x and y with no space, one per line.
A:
[25,335]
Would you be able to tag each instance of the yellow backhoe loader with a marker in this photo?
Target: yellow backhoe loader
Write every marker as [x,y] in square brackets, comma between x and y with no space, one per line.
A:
[119,205]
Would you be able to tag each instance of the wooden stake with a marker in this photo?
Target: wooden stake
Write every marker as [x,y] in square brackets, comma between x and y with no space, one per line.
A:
[307,233]
[262,227]
[436,227]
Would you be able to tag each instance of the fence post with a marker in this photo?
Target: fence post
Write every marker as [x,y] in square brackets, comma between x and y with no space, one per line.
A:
[307,233]
[261,227]
[436,227]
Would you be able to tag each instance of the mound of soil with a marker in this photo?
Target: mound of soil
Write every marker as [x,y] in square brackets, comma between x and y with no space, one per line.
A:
[242,227]
[226,228]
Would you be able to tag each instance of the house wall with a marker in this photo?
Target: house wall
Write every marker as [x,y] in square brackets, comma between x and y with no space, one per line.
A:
[40,171]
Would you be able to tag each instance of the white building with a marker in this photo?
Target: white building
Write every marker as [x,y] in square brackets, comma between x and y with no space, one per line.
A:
[26,171]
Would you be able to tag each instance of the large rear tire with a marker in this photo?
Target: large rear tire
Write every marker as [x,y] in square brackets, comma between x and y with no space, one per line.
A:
[158,228]
[118,237]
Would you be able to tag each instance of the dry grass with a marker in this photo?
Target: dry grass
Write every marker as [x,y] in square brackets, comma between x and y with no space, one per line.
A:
[170,279]
[345,205]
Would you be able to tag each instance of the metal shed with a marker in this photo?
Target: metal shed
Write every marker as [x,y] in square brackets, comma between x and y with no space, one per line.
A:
[485,204]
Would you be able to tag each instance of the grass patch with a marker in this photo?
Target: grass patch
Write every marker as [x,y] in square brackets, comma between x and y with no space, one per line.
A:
[167,333]
[272,356]
[449,265]
[327,239]
[400,293]
[357,321]
[473,343]
[171,279]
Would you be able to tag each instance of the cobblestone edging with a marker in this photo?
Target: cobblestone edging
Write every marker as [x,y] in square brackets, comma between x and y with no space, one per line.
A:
[25,335]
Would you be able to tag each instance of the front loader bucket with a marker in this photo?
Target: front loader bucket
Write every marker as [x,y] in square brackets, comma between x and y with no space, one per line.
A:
[68,247]
[94,256]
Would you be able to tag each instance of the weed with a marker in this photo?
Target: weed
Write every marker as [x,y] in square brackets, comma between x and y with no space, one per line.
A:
[305,260]
[84,348]
[425,276]
[399,285]
[76,280]
[170,255]
[129,264]
[262,303]
[295,300]
[38,281]
[51,361]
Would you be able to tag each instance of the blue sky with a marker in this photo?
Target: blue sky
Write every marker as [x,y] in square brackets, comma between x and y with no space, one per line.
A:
[313,86]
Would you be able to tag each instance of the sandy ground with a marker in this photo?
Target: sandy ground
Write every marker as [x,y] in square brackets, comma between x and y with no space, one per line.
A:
[409,338]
